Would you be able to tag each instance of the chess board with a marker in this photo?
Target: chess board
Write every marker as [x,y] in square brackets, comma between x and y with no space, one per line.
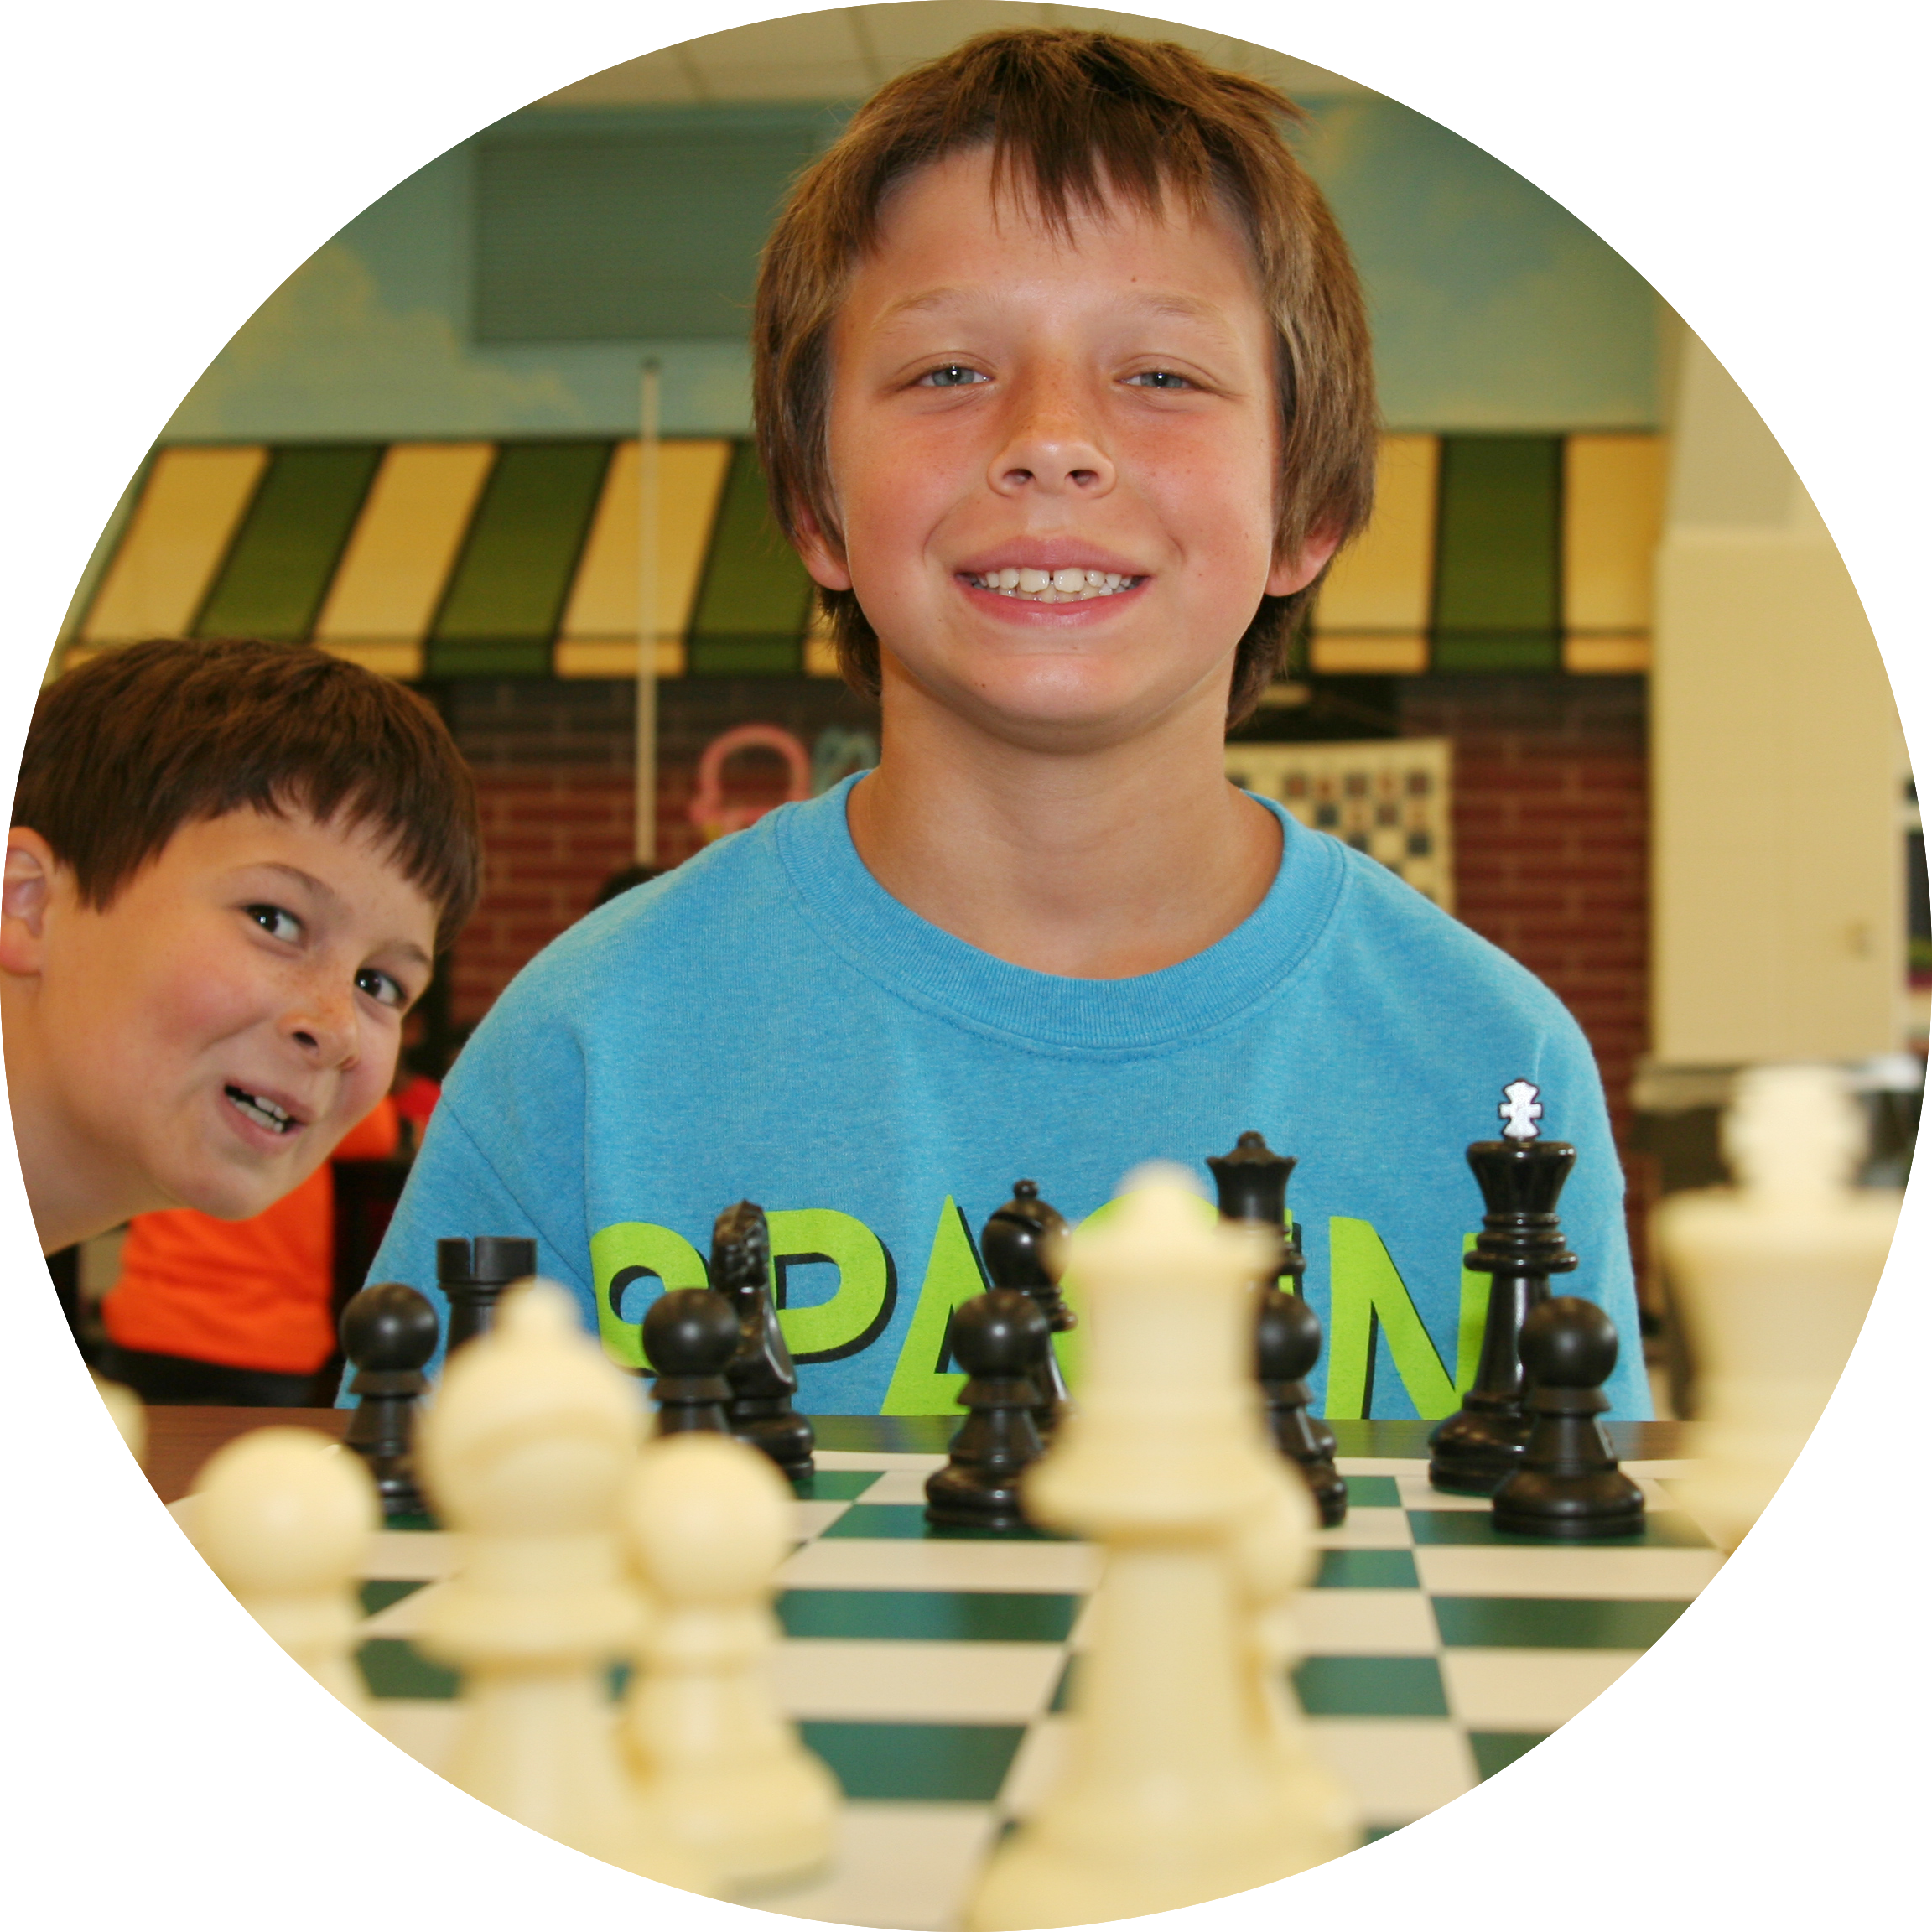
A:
[929,1667]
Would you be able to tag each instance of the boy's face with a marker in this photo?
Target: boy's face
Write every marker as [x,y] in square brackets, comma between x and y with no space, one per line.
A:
[205,1040]
[1009,400]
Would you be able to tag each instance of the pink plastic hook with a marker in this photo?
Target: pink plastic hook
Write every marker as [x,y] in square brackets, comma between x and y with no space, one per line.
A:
[708,810]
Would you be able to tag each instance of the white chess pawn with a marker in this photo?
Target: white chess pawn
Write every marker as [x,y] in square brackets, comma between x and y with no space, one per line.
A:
[1772,1280]
[708,1521]
[1175,1791]
[525,1451]
[283,1518]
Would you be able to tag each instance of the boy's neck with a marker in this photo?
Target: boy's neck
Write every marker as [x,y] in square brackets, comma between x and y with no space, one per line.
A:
[1100,863]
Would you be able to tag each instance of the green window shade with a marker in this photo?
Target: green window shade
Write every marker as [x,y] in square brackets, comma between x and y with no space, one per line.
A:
[1498,583]
[504,598]
[272,581]
[608,236]
[754,597]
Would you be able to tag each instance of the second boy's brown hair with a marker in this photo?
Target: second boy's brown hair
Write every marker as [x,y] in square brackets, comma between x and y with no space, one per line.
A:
[1072,118]
[131,745]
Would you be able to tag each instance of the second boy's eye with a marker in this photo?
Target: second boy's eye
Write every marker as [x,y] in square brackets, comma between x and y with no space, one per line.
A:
[1161,379]
[378,986]
[951,376]
[275,922]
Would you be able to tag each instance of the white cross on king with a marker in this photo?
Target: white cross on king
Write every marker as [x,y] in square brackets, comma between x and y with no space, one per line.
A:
[1521,1109]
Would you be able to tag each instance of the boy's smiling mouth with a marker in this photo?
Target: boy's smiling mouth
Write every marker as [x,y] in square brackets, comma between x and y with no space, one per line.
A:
[267,1114]
[1036,584]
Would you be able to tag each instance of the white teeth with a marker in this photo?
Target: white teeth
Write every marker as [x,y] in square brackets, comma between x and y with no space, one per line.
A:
[1068,585]
[265,1113]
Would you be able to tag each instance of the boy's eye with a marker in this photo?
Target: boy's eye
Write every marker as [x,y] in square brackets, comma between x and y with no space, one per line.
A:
[276,922]
[1161,379]
[951,376]
[379,987]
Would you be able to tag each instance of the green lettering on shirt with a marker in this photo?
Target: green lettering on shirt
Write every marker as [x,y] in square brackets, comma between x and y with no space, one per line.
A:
[855,1314]
[618,1255]
[1472,1314]
[924,1382]
[1368,1296]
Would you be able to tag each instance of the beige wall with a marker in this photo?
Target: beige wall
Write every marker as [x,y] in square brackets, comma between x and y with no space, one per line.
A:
[1777,763]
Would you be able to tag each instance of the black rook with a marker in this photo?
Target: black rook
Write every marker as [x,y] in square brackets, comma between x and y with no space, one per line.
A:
[472,1279]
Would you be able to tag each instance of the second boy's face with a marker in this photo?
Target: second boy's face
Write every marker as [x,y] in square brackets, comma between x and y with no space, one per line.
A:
[1054,459]
[237,1008]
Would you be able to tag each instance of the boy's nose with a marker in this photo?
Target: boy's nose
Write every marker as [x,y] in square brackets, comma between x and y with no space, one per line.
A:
[322,1024]
[1051,447]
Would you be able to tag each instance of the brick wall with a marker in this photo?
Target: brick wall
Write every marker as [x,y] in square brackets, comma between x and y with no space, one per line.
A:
[1552,842]
[553,763]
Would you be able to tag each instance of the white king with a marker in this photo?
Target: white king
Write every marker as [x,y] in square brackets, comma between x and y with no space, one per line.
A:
[1177,1790]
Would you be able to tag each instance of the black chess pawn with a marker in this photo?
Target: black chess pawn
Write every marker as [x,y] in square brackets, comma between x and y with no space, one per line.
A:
[388,1333]
[1520,1247]
[1251,1187]
[997,1339]
[473,1278]
[690,1336]
[1287,1345]
[1024,1246]
[1568,1484]
[761,1376]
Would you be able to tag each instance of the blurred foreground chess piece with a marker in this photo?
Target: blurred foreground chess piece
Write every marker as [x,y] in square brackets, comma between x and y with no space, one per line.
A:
[1771,1279]
[526,1453]
[1024,1246]
[388,1333]
[283,1517]
[762,1379]
[473,1275]
[1568,1484]
[708,1521]
[999,1338]
[1176,1788]
[128,1413]
[1520,1247]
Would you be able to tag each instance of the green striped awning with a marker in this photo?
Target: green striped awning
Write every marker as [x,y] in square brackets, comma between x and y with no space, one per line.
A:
[485,559]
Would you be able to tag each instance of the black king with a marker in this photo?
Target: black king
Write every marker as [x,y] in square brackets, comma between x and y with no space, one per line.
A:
[1520,1247]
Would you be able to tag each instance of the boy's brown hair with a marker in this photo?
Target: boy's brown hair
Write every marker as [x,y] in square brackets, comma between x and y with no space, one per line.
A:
[129,747]
[1072,118]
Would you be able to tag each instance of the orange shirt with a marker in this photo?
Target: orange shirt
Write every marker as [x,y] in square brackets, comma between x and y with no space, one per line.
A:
[253,1294]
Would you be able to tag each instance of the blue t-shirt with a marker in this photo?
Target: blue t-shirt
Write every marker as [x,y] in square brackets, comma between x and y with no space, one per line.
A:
[767,1023]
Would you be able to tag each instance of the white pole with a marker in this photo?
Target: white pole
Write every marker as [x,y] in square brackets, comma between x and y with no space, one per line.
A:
[645,838]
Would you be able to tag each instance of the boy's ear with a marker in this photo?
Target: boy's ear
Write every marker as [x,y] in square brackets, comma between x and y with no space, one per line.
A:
[1291,573]
[24,897]
[823,559]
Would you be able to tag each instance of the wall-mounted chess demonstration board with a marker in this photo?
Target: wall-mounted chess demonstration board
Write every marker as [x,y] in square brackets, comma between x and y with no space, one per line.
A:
[1386,797]
[929,1667]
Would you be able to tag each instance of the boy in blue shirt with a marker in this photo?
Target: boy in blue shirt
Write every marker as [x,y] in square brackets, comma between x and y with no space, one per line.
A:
[1063,394]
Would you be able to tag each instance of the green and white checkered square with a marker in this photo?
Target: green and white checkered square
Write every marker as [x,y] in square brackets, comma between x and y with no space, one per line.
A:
[929,1667]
